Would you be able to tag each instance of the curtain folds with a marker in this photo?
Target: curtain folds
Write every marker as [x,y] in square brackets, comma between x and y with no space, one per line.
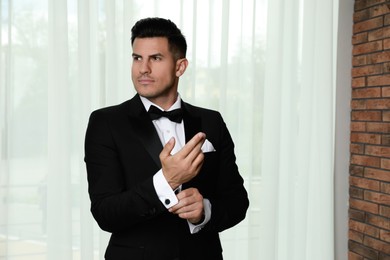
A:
[298,132]
[267,66]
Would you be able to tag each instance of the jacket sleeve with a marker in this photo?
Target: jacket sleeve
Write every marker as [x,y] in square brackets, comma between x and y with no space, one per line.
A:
[117,203]
[230,201]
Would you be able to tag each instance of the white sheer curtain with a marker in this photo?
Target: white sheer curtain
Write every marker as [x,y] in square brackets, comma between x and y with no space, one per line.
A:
[267,66]
[298,138]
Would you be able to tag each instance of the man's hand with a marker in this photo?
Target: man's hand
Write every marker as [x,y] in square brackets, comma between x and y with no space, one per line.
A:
[190,206]
[185,164]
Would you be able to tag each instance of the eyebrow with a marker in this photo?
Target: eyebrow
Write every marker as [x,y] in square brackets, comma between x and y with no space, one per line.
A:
[150,56]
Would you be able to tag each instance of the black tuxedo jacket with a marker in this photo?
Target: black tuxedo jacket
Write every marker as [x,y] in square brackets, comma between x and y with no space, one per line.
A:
[122,154]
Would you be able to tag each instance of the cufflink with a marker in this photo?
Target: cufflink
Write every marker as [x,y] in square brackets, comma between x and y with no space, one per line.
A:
[167,201]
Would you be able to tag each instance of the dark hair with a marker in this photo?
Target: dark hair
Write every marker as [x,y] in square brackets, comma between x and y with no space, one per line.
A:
[159,27]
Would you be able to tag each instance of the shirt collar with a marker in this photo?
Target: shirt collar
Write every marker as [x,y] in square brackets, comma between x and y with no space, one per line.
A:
[147,103]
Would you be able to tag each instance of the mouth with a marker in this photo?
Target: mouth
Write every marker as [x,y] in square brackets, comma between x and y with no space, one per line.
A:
[145,81]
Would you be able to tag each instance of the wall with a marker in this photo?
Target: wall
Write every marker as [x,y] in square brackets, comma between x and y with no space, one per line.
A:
[369,214]
[342,126]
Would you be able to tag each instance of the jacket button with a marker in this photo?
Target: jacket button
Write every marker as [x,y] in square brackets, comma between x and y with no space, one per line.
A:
[167,202]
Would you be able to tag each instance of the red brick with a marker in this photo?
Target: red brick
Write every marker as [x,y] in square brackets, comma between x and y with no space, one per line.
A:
[359,104]
[387,19]
[378,221]
[365,138]
[364,228]
[358,126]
[365,160]
[378,127]
[377,244]
[377,174]
[359,60]
[369,104]
[379,34]
[384,211]
[362,15]
[355,236]
[379,10]
[386,116]
[386,44]
[383,256]
[362,250]
[356,170]
[363,4]
[385,235]
[367,116]
[385,164]
[378,80]
[356,193]
[367,70]
[386,92]
[385,188]
[376,197]
[369,47]
[378,57]
[386,140]
[357,148]
[386,68]
[378,103]
[381,151]
[365,206]
[366,93]
[364,183]
[353,256]
[368,25]
[357,215]
[359,82]
[360,38]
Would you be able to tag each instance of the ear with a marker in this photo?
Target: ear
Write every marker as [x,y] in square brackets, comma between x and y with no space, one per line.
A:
[181,66]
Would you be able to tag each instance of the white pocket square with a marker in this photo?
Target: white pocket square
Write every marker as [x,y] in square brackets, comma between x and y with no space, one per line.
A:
[207,147]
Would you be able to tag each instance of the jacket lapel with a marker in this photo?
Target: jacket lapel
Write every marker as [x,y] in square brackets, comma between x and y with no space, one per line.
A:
[192,123]
[144,129]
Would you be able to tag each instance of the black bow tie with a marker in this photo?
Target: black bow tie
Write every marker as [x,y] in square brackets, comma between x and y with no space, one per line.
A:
[174,115]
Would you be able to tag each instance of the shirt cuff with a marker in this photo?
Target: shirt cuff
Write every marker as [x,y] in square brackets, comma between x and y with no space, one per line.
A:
[164,191]
[207,216]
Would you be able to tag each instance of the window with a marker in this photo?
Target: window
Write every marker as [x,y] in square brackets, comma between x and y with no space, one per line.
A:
[261,63]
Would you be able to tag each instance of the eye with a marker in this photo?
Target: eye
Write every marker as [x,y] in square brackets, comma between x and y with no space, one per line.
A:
[156,58]
[137,58]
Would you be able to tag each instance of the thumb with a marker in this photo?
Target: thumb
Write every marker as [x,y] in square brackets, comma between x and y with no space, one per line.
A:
[168,148]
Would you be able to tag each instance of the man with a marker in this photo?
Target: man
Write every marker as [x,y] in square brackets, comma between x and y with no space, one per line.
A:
[163,187]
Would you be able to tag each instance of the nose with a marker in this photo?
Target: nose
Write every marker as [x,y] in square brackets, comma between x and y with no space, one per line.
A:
[144,67]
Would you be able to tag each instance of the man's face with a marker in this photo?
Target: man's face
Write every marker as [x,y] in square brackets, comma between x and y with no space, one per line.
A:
[154,71]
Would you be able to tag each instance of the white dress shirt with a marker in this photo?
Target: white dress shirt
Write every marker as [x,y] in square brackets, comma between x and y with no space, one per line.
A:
[167,129]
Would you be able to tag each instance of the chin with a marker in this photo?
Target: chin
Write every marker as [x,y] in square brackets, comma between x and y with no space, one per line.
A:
[146,95]
[144,91]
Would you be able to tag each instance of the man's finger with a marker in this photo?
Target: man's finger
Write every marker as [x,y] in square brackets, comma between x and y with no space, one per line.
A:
[196,152]
[168,147]
[197,140]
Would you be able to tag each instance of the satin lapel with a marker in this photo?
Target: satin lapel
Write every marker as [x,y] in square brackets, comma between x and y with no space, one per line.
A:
[192,127]
[144,128]
[192,124]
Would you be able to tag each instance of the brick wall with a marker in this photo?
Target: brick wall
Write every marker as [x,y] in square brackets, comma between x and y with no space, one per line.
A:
[369,213]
